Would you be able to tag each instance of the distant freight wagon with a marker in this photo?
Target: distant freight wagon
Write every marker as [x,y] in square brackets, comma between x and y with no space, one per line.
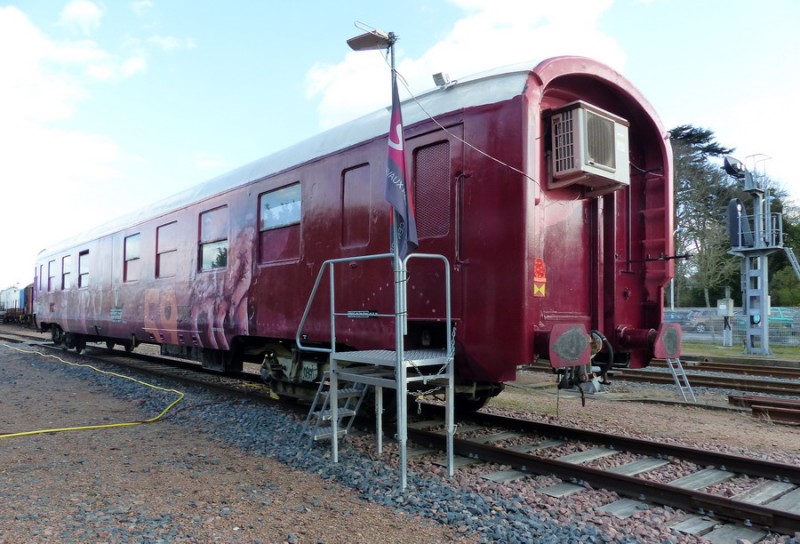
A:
[16,305]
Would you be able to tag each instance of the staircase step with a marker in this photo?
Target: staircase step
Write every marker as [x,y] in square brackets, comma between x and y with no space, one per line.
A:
[325,415]
[418,357]
[326,433]
[346,393]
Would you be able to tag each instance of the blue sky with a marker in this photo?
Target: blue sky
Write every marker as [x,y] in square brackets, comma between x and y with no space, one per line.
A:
[108,106]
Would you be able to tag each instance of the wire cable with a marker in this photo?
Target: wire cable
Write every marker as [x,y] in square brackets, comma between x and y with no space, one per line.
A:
[450,133]
[460,139]
[180,394]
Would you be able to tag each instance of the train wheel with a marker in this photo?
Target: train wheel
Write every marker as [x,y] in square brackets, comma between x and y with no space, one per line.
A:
[80,343]
[55,334]
[128,346]
[69,340]
[467,404]
[110,344]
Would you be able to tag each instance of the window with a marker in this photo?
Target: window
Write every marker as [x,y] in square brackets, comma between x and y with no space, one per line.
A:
[83,269]
[66,268]
[167,250]
[51,275]
[214,239]
[41,277]
[280,208]
[279,217]
[356,206]
[132,258]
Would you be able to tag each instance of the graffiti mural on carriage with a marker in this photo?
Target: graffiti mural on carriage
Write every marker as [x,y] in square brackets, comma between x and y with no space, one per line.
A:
[212,309]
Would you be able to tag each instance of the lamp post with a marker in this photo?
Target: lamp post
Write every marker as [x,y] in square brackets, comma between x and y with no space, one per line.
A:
[377,40]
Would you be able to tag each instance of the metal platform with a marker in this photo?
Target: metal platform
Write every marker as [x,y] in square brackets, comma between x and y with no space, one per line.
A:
[386,368]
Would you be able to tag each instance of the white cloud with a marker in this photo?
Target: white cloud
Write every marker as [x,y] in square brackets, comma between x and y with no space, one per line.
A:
[134,65]
[492,33]
[753,129]
[46,168]
[169,43]
[82,15]
[140,7]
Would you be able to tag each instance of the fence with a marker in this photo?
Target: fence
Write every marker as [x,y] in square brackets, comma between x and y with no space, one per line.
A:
[703,325]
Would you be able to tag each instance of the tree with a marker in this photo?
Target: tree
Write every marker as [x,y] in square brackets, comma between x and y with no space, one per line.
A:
[221,259]
[701,197]
[784,286]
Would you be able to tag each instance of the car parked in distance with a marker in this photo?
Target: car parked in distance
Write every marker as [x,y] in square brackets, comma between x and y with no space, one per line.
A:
[681,317]
[704,320]
[780,317]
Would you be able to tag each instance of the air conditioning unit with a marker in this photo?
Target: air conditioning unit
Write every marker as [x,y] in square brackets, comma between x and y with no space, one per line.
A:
[589,148]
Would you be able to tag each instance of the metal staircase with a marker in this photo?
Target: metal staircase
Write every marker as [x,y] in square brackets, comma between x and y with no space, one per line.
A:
[680,378]
[329,417]
[792,259]
[318,423]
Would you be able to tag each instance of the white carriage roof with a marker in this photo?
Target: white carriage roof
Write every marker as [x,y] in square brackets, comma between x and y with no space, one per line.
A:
[484,88]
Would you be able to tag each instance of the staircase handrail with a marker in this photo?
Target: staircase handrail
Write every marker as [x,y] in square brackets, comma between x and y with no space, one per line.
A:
[447,304]
[400,305]
[325,266]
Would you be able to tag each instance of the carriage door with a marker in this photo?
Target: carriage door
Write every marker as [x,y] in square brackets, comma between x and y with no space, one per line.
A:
[436,162]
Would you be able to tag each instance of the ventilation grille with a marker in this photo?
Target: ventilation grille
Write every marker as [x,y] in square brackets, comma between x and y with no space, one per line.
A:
[600,141]
[432,197]
[563,141]
[589,148]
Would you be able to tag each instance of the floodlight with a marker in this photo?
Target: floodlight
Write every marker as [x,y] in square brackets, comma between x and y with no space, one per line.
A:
[374,39]
[441,79]
[734,167]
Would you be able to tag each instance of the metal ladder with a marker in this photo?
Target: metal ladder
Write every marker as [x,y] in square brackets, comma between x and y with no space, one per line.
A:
[318,425]
[793,259]
[681,380]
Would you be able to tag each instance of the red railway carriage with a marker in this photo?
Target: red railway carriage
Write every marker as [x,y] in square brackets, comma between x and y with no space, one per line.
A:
[547,189]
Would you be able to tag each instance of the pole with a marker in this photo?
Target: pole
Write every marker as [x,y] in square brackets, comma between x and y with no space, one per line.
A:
[672,294]
[399,322]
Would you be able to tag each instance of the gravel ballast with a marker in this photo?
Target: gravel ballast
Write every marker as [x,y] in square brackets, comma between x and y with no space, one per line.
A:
[223,470]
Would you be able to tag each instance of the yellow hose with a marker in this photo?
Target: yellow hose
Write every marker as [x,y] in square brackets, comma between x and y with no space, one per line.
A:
[106,426]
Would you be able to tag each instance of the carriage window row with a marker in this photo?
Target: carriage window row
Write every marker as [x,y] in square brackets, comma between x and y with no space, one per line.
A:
[280,212]
[66,271]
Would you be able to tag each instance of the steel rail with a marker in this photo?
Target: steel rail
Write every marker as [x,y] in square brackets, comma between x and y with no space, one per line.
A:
[776,413]
[734,368]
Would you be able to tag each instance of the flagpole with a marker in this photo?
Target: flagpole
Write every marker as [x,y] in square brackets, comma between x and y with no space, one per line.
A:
[396,265]
[400,317]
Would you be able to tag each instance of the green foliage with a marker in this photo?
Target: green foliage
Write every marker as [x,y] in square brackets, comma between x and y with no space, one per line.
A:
[702,193]
[221,259]
[697,144]
[784,288]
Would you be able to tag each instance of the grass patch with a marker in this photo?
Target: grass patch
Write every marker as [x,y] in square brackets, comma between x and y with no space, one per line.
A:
[789,353]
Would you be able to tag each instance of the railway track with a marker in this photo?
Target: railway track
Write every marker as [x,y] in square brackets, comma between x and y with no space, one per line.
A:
[706,374]
[773,504]
[745,369]
[740,383]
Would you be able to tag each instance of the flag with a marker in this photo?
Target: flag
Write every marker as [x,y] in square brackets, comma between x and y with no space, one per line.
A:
[396,192]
